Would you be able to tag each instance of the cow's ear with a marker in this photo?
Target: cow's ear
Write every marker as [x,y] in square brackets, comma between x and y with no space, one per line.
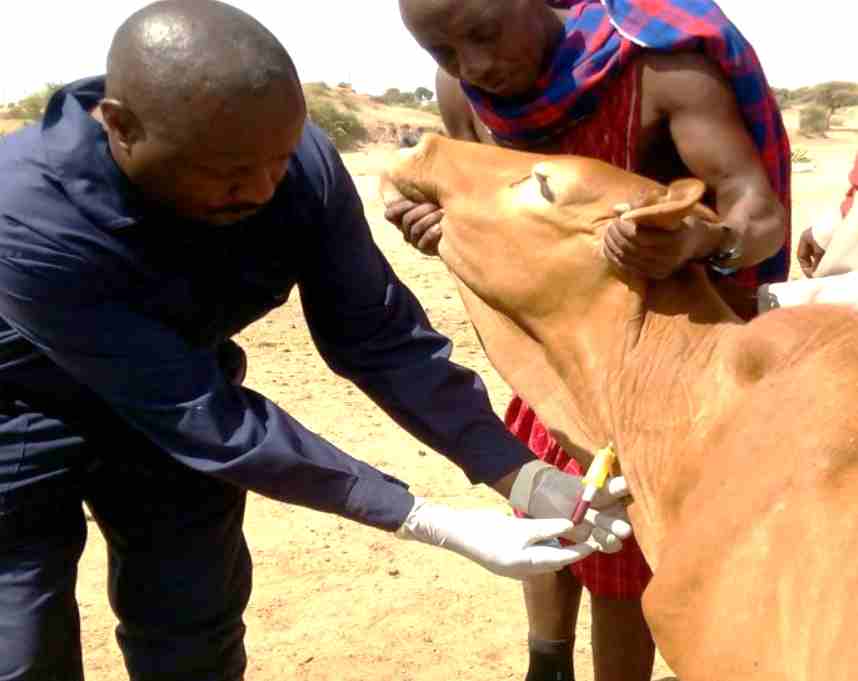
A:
[668,210]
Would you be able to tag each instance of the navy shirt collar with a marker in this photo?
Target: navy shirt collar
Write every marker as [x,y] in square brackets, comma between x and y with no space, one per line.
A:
[77,149]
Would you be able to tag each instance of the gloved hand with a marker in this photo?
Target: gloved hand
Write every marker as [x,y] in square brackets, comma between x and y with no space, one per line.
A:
[507,546]
[542,491]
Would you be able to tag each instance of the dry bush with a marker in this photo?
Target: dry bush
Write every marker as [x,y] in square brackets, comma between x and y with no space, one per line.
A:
[343,128]
[813,121]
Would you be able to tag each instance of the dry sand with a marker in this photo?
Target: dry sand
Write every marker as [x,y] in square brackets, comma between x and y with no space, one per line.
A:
[334,600]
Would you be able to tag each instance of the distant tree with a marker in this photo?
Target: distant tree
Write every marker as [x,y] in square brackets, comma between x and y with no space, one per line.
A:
[803,95]
[423,93]
[391,95]
[395,97]
[835,95]
[33,106]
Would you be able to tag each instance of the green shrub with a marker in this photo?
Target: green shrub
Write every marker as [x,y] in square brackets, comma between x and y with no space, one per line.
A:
[813,121]
[343,127]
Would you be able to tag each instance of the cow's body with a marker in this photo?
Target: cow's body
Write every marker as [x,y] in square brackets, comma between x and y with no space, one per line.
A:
[739,441]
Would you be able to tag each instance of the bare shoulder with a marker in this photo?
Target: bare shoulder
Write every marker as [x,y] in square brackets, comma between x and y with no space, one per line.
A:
[459,118]
[683,80]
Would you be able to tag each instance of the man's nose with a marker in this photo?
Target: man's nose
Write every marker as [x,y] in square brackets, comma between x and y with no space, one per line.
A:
[259,185]
[475,63]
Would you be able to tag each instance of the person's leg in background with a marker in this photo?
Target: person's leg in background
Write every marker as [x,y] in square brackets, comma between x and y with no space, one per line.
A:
[552,603]
[623,649]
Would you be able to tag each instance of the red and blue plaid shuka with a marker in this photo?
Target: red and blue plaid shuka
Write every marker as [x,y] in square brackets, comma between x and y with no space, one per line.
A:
[602,37]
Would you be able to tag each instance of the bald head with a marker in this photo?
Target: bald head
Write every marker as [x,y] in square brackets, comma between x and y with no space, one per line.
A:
[175,61]
[203,109]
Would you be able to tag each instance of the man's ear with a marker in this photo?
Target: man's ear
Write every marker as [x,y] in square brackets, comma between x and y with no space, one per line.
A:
[122,125]
[668,210]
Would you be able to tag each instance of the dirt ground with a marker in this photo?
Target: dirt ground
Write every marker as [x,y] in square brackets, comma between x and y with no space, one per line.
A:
[334,600]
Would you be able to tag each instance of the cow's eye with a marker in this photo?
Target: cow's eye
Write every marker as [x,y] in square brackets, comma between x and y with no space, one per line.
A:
[544,187]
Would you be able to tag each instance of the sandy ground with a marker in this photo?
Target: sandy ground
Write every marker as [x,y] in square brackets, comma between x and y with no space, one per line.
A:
[334,600]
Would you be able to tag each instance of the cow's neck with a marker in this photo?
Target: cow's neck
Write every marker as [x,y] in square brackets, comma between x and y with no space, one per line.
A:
[638,360]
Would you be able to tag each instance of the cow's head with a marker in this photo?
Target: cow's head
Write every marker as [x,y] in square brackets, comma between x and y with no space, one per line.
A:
[523,230]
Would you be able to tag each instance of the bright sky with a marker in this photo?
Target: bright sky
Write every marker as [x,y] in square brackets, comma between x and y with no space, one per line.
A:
[365,44]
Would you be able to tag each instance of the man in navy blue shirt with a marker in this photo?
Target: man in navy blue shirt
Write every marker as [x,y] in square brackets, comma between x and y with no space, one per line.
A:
[151,216]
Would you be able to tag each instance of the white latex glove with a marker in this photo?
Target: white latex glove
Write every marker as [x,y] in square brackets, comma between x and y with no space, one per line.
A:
[507,546]
[823,228]
[542,491]
[837,289]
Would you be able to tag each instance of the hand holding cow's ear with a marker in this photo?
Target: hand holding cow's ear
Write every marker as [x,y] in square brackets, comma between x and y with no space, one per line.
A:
[420,223]
[656,252]
[418,220]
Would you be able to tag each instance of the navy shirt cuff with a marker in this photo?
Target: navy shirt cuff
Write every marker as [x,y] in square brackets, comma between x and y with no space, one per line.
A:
[379,502]
[489,452]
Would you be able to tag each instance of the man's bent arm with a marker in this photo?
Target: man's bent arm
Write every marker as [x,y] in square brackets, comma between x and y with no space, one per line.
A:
[455,110]
[371,329]
[713,141]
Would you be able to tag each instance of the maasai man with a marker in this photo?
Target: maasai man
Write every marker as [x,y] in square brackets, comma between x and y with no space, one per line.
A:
[663,88]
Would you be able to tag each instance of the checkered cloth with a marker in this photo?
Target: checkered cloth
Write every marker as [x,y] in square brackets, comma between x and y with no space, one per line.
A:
[601,39]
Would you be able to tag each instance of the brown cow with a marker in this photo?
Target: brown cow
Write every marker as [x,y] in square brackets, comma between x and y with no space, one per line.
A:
[738,440]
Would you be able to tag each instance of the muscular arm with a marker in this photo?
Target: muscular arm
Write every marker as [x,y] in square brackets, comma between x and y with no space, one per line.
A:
[710,135]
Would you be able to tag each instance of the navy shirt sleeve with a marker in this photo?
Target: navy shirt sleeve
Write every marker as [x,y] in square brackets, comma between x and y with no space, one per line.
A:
[177,396]
[370,328]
